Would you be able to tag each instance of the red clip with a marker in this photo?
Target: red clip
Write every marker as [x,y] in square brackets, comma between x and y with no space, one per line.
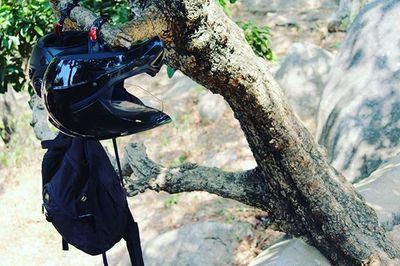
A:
[58,28]
[93,33]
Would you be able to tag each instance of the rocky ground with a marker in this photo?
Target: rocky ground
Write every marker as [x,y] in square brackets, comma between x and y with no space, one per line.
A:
[191,228]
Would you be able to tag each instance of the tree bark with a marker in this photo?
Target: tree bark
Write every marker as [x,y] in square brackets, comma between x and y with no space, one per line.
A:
[345,15]
[304,195]
[247,187]
[39,120]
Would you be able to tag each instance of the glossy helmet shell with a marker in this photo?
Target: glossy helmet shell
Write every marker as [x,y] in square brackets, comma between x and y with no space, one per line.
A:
[50,45]
[85,97]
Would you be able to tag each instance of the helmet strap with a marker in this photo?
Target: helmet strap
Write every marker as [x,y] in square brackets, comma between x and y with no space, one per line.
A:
[65,12]
[95,43]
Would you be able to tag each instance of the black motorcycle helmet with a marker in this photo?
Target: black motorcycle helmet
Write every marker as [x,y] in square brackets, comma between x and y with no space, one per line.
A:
[85,96]
[47,47]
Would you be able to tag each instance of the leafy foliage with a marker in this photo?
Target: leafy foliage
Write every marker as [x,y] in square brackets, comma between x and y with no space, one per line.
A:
[21,24]
[258,38]
[117,11]
[225,6]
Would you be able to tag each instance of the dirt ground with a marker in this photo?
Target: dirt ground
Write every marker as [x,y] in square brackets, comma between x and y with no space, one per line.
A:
[27,239]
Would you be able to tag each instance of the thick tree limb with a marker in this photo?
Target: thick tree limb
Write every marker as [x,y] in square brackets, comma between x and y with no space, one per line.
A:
[84,18]
[306,196]
[39,120]
[145,25]
[241,186]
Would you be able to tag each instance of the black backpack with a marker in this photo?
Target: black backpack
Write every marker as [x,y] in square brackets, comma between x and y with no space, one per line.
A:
[84,200]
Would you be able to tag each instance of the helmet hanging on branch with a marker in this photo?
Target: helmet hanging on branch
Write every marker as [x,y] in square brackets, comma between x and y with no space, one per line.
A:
[84,92]
[85,96]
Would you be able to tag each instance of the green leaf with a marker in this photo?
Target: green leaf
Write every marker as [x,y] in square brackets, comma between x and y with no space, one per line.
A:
[225,7]
[39,30]
[259,39]
[170,72]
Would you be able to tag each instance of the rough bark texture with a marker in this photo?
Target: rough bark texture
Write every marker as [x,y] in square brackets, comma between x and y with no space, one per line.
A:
[39,119]
[247,186]
[345,15]
[304,195]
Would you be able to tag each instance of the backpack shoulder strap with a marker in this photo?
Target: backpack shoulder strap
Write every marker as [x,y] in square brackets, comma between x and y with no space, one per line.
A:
[132,239]
[65,245]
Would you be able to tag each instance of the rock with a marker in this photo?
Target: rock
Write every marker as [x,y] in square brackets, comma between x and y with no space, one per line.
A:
[178,91]
[302,76]
[221,159]
[207,243]
[283,21]
[381,190]
[276,5]
[211,107]
[359,114]
[290,252]
[247,164]
[394,235]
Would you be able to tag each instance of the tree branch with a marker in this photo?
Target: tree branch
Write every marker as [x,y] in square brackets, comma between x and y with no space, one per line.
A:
[241,186]
[39,120]
[139,28]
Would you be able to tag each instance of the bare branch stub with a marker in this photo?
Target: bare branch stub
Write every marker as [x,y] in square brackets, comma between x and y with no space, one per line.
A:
[245,186]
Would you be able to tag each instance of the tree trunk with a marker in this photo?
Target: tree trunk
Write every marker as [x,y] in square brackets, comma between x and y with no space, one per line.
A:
[345,15]
[304,195]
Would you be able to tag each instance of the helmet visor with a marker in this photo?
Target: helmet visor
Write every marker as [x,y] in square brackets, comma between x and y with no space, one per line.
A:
[88,76]
[73,70]
[146,97]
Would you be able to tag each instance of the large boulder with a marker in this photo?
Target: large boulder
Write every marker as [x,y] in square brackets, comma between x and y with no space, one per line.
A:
[302,76]
[207,243]
[290,252]
[381,190]
[211,107]
[359,112]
